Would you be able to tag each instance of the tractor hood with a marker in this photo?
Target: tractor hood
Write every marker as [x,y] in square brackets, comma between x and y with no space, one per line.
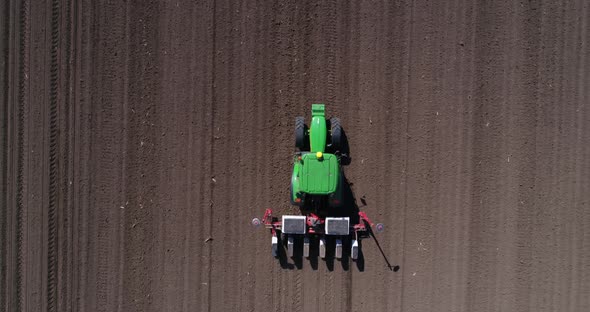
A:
[319,175]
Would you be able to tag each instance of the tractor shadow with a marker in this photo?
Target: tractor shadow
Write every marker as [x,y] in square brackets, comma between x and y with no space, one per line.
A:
[351,209]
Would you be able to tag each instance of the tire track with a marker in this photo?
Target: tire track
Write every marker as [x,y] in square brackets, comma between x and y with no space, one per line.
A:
[75,164]
[6,139]
[65,220]
[5,80]
[23,61]
[297,297]
[330,30]
[83,138]
[65,212]
[52,261]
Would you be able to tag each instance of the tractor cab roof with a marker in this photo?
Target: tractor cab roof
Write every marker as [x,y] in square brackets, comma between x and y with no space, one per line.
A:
[320,173]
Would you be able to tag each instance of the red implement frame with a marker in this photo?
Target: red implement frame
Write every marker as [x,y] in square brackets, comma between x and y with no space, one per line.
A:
[313,220]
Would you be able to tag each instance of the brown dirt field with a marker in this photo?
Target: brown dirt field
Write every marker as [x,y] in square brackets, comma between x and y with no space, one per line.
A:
[134,131]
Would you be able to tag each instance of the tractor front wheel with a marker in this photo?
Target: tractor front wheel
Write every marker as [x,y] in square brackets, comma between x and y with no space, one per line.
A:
[336,133]
[300,133]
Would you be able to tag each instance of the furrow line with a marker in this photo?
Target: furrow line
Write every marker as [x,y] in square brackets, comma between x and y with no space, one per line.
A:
[297,304]
[53,162]
[66,267]
[23,61]
[4,146]
[211,152]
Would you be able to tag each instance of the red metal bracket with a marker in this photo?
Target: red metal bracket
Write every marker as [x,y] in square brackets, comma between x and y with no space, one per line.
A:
[267,219]
[365,218]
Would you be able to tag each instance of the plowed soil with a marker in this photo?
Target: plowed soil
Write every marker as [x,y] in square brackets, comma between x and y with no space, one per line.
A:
[140,138]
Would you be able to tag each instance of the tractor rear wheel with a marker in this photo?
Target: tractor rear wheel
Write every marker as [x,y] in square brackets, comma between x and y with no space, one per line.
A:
[335,133]
[300,133]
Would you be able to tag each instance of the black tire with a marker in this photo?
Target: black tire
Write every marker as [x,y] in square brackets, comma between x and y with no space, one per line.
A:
[336,133]
[300,133]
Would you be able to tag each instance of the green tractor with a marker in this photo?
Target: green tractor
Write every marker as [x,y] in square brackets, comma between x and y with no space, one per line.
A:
[317,179]
[317,188]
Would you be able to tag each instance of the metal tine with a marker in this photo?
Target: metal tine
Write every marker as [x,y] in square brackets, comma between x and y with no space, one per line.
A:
[354,250]
[322,247]
[290,245]
[338,248]
[275,246]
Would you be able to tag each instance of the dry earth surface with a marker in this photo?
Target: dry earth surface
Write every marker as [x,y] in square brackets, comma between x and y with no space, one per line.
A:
[139,138]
